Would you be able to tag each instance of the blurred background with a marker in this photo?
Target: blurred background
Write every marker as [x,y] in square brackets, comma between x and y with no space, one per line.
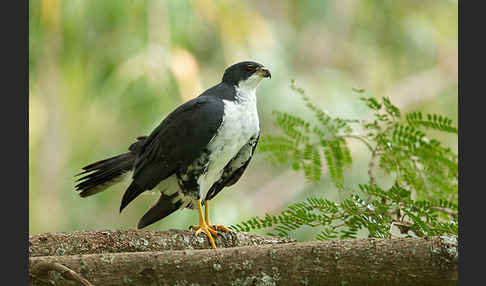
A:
[102,73]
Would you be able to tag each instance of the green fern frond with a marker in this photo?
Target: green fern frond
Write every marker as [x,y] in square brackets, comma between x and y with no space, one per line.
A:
[432,121]
[421,166]
[372,103]
[278,147]
[311,212]
[390,108]
[294,127]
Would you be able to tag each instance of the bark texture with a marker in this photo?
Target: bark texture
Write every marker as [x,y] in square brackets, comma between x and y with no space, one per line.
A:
[113,241]
[406,261]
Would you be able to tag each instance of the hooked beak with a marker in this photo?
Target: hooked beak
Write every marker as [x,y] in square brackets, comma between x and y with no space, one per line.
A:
[263,72]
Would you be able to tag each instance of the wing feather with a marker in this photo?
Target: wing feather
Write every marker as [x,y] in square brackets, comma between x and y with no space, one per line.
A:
[176,142]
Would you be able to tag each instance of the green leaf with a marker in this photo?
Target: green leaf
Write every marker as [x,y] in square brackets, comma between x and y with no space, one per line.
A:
[418,165]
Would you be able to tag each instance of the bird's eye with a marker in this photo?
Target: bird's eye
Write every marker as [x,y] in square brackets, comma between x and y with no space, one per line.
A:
[250,67]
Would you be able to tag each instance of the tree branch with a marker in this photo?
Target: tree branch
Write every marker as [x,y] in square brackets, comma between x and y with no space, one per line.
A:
[113,241]
[68,274]
[445,210]
[403,261]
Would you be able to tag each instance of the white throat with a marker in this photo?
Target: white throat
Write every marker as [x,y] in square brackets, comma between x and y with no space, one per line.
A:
[246,89]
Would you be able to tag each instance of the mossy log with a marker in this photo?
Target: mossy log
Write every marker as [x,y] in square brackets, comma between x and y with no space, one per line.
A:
[404,261]
[114,241]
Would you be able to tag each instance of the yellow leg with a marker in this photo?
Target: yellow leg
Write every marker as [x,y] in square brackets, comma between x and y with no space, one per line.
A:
[204,227]
[206,211]
[213,227]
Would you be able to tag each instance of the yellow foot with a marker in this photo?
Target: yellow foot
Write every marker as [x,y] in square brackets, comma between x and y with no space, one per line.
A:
[206,229]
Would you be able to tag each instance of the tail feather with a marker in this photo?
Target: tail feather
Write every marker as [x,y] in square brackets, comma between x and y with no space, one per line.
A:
[103,174]
[130,194]
[108,163]
[162,208]
[98,175]
[95,186]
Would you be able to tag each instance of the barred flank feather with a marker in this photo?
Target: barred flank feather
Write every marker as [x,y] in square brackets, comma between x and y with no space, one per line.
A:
[103,174]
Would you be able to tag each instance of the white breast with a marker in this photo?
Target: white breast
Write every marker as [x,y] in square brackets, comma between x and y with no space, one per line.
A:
[240,123]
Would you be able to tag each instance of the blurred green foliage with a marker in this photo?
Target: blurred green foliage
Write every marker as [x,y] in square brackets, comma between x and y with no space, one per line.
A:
[102,73]
[421,199]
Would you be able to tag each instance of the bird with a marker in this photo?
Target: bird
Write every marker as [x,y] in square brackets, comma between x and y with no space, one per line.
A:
[201,147]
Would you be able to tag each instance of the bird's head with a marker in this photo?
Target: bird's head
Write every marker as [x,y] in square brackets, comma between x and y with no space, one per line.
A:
[245,74]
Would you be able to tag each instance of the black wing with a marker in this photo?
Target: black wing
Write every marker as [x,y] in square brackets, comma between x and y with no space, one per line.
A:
[175,143]
[234,169]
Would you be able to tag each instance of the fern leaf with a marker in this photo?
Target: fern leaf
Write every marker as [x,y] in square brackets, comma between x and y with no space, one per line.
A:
[432,121]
